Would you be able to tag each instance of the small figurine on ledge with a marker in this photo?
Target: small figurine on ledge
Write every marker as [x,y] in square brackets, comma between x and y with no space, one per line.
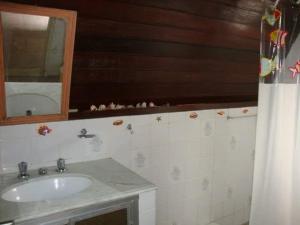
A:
[113,106]
[93,108]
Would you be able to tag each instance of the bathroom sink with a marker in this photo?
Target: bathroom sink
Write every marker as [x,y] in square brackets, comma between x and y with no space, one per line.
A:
[34,104]
[46,188]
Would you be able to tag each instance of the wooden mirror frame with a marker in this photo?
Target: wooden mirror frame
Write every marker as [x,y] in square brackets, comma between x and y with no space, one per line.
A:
[70,18]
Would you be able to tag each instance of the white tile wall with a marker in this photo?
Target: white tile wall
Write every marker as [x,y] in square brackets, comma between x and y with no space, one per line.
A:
[23,143]
[203,167]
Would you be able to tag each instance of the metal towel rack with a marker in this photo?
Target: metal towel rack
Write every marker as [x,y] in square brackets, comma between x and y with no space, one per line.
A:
[240,117]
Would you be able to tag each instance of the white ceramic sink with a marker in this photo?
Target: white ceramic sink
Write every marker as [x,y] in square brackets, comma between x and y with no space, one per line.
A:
[46,188]
[19,104]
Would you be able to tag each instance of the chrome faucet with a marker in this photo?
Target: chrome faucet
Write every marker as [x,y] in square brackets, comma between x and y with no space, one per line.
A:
[43,171]
[23,174]
[61,165]
[7,223]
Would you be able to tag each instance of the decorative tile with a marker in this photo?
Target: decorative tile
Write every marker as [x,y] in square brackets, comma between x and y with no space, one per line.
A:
[233,143]
[140,160]
[241,112]
[205,184]
[178,131]
[191,156]
[118,122]
[193,115]
[177,117]
[17,132]
[208,128]
[176,173]
[141,137]
[96,144]
[204,210]
[190,212]
[217,211]
[15,151]
[159,166]
[130,128]
[43,130]
[176,206]
[159,134]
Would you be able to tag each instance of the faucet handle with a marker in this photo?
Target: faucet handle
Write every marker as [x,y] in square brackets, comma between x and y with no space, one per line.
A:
[61,165]
[23,166]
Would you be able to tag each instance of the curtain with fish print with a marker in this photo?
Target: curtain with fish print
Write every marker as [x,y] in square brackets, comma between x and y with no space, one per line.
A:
[276,189]
[280,43]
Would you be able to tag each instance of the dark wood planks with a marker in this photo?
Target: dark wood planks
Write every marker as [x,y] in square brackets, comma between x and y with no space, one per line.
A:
[236,10]
[110,29]
[175,51]
[162,49]
[240,11]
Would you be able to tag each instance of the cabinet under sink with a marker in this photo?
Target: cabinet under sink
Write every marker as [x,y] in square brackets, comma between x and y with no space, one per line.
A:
[118,217]
[120,212]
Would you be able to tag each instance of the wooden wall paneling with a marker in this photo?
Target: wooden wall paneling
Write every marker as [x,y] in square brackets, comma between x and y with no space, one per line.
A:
[123,76]
[163,49]
[237,10]
[240,11]
[138,62]
[111,29]
[176,51]
[168,18]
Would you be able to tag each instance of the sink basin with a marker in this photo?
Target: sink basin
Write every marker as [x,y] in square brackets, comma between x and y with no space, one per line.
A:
[19,104]
[46,188]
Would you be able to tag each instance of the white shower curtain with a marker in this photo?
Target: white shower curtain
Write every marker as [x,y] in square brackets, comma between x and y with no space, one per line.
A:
[276,191]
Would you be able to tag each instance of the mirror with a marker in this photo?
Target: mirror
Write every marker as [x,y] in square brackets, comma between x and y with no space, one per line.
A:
[37,50]
[33,49]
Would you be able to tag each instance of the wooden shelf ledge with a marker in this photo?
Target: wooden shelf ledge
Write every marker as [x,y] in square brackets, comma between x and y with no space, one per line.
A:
[156,110]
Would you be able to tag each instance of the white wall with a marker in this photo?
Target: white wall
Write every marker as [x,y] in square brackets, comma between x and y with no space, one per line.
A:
[203,167]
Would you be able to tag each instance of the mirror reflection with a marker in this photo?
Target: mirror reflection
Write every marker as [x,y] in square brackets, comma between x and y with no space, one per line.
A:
[33,63]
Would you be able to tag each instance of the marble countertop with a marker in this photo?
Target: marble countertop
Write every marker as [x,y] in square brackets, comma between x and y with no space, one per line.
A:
[111,181]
